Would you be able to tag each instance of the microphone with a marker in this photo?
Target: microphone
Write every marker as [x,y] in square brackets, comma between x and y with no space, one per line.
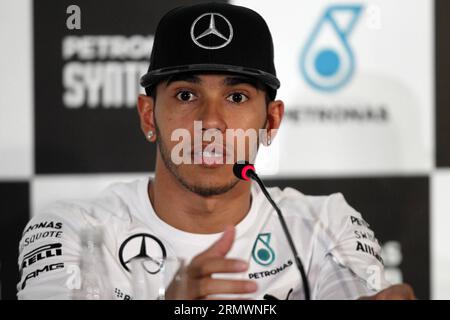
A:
[246,171]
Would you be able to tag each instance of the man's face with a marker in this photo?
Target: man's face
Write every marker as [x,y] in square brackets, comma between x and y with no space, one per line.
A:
[221,103]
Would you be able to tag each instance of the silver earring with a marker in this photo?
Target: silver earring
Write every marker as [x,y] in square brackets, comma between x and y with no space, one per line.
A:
[150,134]
[269,139]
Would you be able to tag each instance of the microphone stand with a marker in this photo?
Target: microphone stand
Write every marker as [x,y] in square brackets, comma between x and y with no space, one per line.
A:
[252,174]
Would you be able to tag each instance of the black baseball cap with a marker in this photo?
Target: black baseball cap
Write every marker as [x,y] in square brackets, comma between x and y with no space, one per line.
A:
[212,37]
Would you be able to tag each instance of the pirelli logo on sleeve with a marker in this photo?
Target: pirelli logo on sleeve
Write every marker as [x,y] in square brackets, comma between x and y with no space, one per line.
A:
[43,252]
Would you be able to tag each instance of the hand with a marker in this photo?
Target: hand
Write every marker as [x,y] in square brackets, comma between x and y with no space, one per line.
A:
[396,292]
[195,281]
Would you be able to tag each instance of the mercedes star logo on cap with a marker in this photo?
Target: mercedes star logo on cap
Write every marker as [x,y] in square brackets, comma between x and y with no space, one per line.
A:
[198,37]
[146,246]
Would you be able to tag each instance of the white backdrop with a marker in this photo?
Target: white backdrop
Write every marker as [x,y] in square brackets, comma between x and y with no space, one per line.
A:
[392,44]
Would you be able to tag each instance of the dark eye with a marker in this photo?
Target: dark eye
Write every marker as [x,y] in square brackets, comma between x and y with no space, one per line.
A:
[185,96]
[237,97]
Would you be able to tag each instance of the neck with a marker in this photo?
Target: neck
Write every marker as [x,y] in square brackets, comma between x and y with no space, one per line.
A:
[190,212]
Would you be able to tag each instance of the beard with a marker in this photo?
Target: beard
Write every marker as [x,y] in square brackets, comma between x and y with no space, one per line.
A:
[203,190]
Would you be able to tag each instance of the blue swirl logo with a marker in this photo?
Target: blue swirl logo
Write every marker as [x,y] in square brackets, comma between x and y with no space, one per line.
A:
[327,61]
[262,253]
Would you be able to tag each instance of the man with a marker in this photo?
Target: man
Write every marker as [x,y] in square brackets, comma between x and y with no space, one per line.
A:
[210,72]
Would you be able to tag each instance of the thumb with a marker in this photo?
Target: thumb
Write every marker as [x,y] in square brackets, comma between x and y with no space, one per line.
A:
[395,292]
[221,247]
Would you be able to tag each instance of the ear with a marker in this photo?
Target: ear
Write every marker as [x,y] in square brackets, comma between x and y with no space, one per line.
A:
[145,108]
[275,112]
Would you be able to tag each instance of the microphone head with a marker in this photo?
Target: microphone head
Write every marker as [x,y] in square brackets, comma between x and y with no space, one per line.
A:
[241,168]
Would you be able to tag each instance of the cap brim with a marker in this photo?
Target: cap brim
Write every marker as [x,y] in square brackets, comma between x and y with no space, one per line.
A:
[155,76]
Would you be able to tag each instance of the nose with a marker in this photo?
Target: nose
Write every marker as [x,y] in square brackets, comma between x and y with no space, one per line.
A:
[212,116]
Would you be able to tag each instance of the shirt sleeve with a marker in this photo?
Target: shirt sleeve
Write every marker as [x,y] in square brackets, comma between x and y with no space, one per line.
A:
[352,265]
[49,254]
[338,282]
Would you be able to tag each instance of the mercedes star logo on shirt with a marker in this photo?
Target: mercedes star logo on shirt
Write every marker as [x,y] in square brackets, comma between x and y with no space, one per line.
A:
[146,246]
[212,37]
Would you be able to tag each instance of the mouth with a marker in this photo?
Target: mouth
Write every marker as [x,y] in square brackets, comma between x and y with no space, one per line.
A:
[211,158]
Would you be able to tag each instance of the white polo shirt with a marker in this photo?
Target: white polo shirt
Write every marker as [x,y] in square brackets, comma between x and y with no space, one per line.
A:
[340,253]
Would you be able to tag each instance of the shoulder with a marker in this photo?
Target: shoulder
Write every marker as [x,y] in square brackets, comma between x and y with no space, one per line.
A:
[114,202]
[337,230]
[66,218]
[332,209]
[330,218]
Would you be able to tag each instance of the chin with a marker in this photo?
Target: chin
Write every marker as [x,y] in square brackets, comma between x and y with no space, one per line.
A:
[207,182]
[210,180]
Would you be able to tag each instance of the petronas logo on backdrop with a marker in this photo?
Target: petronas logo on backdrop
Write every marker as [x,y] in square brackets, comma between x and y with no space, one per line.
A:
[327,61]
[262,253]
